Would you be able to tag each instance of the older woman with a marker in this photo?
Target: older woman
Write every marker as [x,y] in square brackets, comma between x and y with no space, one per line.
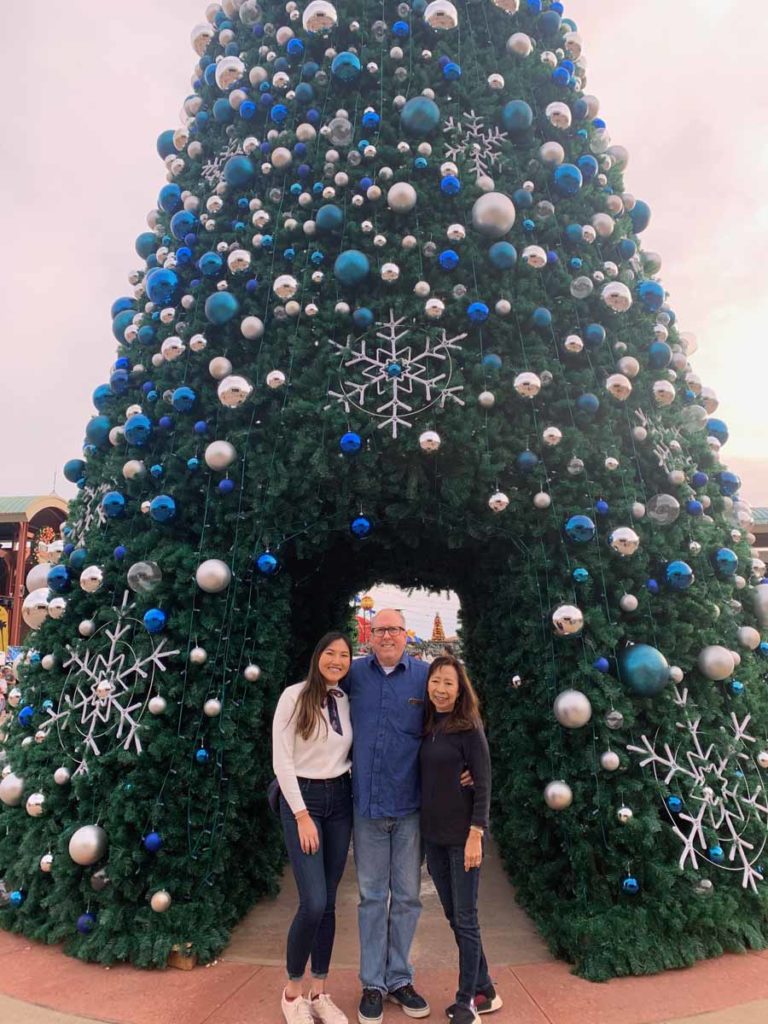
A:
[311,743]
[454,819]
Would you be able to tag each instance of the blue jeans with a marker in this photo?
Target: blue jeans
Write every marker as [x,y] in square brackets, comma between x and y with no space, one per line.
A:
[457,890]
[388,861]
[312,931]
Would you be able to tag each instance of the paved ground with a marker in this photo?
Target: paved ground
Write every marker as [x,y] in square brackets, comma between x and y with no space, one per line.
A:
[38,985]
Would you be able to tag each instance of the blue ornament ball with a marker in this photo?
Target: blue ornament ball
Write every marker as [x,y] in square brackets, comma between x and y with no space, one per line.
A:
[725,562]
[183,399]
[450,185]
[716,854]
[329,218]
[77,559]
[674,804]
[267,564]
[26,715]
[165,144]
[74,470]
[238,171]
[361,526]
[346,66]
[588,403]
[113,504]
[717,428]
[350,443]
[85,924]
[643,669]
[651,295]
[568,179]
[160,285]
[679,575]
[146,244]
[527,461]
[491,361]
[16,898]
[659,355]
[478,312]
[155,620]
[169,200]
[162,508]
[640,216]
[594,335]
[580,575]
[138,429]
[728,483]
[202,756]
[517,117]
[153,842]
[120,552]
[59,579]
[420,116]
[351,267]
[97,430]
[101,396]
[503,255]
[221,307]
[580,529]
[630,886]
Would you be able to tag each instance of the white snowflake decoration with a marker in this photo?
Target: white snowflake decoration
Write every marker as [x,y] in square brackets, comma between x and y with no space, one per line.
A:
[91,512]
[107,689]
[411,382]
[213,168]
[478,145]
[719,798]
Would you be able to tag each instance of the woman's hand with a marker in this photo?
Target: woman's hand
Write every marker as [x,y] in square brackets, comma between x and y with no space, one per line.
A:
[473,850]
[309,840]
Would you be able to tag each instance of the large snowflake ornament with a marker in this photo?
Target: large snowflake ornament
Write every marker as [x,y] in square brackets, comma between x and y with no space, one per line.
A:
[722,798]
[477,144]
[386,367]
[91,512]
[107,689]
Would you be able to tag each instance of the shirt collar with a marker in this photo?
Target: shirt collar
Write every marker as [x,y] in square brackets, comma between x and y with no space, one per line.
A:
[404,661]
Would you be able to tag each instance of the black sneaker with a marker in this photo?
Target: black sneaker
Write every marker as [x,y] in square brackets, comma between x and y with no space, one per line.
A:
[371,1008]
[411,1002]
[487,1001]
[464,1014]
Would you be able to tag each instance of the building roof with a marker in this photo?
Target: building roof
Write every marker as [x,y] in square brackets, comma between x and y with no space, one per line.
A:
[761,516]
[23,508]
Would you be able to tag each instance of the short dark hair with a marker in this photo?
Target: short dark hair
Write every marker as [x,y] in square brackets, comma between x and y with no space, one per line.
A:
[466,710]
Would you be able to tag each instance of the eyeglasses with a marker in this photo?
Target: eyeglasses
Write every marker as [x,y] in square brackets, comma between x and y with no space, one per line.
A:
[387,630]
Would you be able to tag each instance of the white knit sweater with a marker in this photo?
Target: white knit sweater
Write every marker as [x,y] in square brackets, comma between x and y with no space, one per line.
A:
[320,757]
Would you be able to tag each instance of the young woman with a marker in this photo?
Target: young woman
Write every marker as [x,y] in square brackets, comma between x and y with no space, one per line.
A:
[453,823]
[311,741]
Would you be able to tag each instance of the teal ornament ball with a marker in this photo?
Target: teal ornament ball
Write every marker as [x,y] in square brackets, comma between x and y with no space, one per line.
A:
[329,218]
[643,669]
[503,255]
[420,116]
[351,267]
[221,307]
[517,117]
[346,66]
[238,171]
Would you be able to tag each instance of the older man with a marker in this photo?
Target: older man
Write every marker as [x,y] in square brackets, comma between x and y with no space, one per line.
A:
[387,692]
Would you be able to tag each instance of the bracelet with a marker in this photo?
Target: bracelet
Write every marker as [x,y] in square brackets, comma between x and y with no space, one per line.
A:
[478,829]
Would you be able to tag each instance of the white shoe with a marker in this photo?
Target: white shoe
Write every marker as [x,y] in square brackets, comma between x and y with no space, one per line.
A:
[326,1011]
[296,1011]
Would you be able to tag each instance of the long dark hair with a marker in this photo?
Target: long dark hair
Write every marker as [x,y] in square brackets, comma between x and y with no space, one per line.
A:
[466,710]
[311,699]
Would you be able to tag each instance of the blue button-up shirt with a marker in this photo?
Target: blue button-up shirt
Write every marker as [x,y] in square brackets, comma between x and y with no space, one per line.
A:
[387,719]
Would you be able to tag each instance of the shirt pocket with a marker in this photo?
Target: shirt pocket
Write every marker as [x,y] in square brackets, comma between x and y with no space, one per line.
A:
[412,720]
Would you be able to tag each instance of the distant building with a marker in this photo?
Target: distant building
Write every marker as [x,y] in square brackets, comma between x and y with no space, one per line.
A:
[760,530]
[29,533]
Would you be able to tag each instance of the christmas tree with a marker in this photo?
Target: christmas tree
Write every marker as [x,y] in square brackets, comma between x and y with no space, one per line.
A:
[393,322]
[438,633]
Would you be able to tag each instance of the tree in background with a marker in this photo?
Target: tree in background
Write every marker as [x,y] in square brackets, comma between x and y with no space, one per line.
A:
[393,322]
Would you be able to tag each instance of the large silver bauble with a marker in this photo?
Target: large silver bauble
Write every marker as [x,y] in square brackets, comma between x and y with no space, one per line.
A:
[88,845]
[319,17]
[56,607]
[219,455]
[617,296]
[716,662]
[198,656]
[441,15]
[624,541]
[37,577]
[229,71]
[160,901]
[749,637]
[663,509]
[11,790]
[133,469]
[572,709]
[285,286]
[46,862]
[61,776]
[568,620]
[402,197]
[35,804]
[520,44]
[234,391]
[760,604]
[275,379]
[628,603]
[91,579]
[486,399]
[619,386]
[34,610]
[558,795]
[510,6]
[252,328]
[252,673]
[493,215]
[609,760]
[625,815]
[144,577]
[527,384]
[157,705]
[213,576]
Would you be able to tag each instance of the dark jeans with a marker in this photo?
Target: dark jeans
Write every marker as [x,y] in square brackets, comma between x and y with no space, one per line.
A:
[457,890]
[329,802]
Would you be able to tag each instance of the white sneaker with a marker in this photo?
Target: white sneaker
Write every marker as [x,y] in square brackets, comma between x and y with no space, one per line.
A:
[296,1011]
[326,1011]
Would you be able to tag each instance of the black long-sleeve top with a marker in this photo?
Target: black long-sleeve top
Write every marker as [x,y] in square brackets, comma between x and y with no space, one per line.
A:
[447,807]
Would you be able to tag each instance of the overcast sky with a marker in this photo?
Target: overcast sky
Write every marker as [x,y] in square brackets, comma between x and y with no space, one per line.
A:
[88,88]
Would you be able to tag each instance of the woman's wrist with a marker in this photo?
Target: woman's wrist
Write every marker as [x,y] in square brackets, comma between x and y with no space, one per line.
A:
[300,815]
[477,829]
